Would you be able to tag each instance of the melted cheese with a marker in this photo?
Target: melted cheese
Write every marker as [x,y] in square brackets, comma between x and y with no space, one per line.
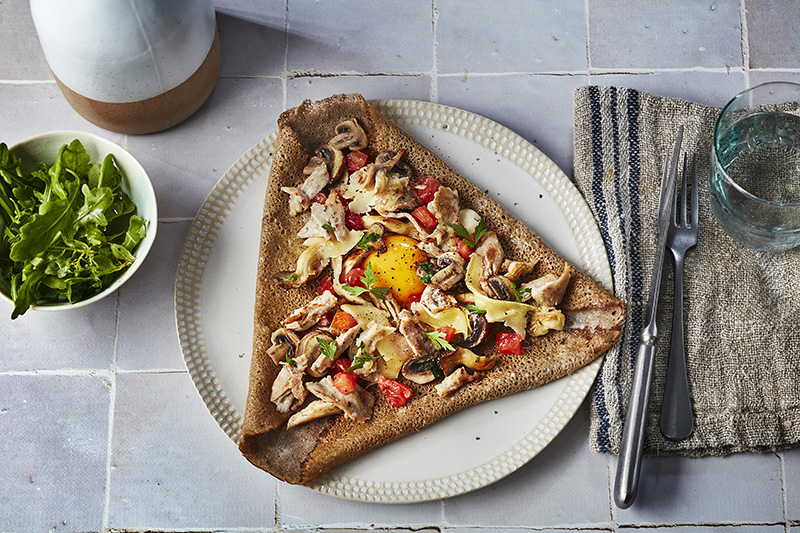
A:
[512,314]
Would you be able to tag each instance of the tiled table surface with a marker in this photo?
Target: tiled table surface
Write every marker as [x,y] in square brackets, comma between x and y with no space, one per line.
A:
[100,425]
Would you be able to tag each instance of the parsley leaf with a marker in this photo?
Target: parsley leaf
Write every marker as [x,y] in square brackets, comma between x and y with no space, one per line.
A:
[367,238]
[360,360]
[367,279]
[474,309]
[427,267]
[328,349]
[518,294]
[471,240]
[290,361]
[438,339]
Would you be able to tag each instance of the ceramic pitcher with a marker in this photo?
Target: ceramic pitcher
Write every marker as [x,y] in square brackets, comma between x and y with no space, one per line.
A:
[131,66]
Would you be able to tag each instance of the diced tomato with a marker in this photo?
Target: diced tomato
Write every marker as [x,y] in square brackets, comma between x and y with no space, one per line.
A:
[355,160]
[397,394]
[426,188]
[341,365]
[325,285]
[325,321]
[424,217]
[449,332]
[320,198]
[353,220]
[353,278]
[464,250]
[345,382]
[509,343]
[413,298]
[342,321]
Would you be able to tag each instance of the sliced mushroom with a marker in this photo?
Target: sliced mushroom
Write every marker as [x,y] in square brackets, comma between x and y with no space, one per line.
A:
[349,134]
[414,332]
[451,271]
[336,266]
[310,264]
[479,329]
[465,357]
[334,160]
[310,348]
[388,160]
[421,369]
[393,225]
[284,345]
[436,299]
[501,288]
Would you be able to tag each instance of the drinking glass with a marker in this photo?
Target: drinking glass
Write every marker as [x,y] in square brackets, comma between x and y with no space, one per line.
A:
[755,167]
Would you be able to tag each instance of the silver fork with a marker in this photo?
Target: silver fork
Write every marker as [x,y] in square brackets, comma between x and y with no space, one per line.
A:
[677,419]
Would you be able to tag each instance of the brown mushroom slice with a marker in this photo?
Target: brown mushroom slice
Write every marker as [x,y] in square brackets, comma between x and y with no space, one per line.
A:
[310,265]
[284,345]
[349,134]
[479,329]
[414,332]
[549,289]
[304,317]
[356,405]
[421,369]
[336,266]
[451,271]
[394,225]
[310,348]
[313,411]
[501,288]
[449,362]
[436,299]
[455,381]
[334,160]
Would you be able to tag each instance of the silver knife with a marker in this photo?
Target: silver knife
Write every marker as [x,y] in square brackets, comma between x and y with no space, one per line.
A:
[630,454]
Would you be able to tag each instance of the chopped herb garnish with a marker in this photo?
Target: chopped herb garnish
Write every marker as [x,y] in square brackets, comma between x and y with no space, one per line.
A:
[427,267]
[289,277]
[470,239]
[328,349]
[290,361]
[367,279]
[360,360]
[327,227]
[437,371]
[474,309]
[518,294]
[366,238]
[439,340]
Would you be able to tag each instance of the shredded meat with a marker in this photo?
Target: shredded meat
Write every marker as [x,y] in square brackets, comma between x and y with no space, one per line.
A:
[303,318]
[414,334]
[288,390]
[356,405]
[454,381]
[313,411]
[444,206]
[549,289]
[491,253]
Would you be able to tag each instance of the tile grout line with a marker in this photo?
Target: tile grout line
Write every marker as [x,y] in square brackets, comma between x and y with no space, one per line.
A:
[434,92]
[285,73]
[745,42]
[588,44]
[111,408]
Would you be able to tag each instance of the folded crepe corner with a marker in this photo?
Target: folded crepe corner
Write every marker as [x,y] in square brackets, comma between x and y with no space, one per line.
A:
[594,316]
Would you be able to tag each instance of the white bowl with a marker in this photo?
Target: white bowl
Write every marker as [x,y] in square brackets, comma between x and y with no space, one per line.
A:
[44,147]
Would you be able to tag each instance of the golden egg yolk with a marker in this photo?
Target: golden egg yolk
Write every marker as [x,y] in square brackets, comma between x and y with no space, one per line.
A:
[396,268]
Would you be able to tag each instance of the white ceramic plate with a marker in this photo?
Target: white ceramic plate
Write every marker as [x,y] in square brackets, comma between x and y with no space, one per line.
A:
[214,299]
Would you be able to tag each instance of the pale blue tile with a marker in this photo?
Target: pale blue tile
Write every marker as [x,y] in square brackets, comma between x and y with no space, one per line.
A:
[648,35]
[147,307]
[22,57]
[371,87]
[510,36]
[538,495]
[185,162]
[172,467]
[252,37]
[772,34]
[383,36]
[54,449]
[538,108]
[739,488]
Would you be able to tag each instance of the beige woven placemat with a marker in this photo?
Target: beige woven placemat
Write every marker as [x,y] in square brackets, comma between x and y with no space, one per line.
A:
[742,307]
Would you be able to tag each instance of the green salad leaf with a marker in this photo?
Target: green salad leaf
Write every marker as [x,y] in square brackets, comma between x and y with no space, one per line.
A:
[67,230]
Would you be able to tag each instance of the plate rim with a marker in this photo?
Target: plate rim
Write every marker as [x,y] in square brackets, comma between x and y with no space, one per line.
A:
[212,214]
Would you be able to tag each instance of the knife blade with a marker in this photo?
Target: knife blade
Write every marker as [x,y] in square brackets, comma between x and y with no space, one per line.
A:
[630,455]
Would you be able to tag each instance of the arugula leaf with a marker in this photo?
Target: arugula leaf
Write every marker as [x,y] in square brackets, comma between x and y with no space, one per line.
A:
[360,360]
[470,239]
[439,340]
[66,230]
[328,349]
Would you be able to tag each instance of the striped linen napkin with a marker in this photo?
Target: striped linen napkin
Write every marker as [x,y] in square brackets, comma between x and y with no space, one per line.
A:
[742,307]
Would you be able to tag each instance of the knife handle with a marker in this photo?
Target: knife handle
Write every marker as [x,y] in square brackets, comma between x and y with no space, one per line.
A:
[630,454]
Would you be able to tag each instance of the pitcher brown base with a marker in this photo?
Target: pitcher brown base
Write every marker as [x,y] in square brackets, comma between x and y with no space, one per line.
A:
[154,114]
